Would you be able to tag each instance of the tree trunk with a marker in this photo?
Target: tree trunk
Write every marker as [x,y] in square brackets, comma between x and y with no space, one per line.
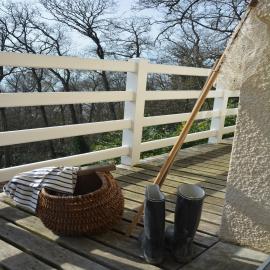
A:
[42,109]
[62,111]
[80,141]
[46,122]
[107,88]
[7,152]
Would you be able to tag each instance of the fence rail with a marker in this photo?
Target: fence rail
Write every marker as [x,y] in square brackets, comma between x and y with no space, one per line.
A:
[61,98]
[134,103]
[51,133]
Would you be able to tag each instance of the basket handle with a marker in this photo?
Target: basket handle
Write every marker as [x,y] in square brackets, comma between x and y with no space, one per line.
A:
[96,168]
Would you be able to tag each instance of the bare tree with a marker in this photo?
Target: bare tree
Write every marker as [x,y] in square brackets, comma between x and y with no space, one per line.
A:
[129,37]
[23,38]
[213,15]
[89,18]
[208,20]
[33,36]
[5,31]
[63,76]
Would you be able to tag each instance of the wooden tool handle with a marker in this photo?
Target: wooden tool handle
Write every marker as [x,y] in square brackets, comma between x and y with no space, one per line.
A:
[207,87]
[253,3]
[96,168]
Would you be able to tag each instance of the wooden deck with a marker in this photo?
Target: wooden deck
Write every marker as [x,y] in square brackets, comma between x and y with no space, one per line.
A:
[26,244]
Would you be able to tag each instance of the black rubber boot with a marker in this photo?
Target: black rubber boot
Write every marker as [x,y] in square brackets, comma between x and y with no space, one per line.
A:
[152,239]
[179,237]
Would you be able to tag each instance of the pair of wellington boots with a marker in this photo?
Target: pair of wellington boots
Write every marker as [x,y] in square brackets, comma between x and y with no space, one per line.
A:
[178,238]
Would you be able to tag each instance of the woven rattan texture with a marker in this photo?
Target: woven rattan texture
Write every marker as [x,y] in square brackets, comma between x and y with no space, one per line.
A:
[87,214]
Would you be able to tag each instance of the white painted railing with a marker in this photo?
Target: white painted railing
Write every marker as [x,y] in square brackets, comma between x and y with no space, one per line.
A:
[134,119]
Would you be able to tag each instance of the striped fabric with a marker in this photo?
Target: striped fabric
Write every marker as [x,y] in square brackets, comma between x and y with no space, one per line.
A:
[24,188]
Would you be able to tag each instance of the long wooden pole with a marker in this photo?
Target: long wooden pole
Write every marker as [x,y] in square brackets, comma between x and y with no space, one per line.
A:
[181,139]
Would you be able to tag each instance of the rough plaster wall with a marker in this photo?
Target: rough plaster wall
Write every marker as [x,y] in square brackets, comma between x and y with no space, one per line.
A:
[246,216]
[248,50]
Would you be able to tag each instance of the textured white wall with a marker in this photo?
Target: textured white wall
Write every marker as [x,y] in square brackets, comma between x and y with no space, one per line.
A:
[246,216]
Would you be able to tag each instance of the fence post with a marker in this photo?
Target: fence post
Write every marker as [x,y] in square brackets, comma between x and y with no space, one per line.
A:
[217,123]
[134,110]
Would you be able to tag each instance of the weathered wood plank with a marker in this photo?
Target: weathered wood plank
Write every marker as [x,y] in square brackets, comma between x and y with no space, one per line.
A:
[187,157]
[190,164]
[210,151]
[218,161]
[100,253]
[44,249]
[15,259]
[199,166]
[173,175]
[201,239]
[106,255]
[204,226]
[222,156]
[215,149]
[211,146]
[265,265]
[168,189]
[186,174]
[139,186]
[211,163]
[224,256]
[190,153]
[228,141]
[204,162]
[170,197]
[131,198]
[170,181]
[220,176]
[132,246]
[213,157]
[207,208]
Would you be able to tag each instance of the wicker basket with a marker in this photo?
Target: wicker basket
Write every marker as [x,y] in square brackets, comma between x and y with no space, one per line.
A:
[96,206]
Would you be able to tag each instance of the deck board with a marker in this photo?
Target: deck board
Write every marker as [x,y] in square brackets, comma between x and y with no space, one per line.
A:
[13,258]
[224,256]
[26,240]
[44,249]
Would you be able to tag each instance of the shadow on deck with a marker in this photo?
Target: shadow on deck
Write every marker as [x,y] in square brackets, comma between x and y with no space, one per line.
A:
[27,244]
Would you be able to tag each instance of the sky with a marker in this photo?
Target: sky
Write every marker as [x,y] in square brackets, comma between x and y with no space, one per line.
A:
[125,5]
[124,10]
[81,43]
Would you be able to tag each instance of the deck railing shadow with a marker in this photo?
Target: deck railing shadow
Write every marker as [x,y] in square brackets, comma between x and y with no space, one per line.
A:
[145,174]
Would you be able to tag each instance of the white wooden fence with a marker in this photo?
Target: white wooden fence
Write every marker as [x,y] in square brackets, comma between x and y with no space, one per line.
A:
[134,119]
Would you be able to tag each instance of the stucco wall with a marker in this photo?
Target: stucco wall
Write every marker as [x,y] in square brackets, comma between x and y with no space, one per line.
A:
[246,216]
